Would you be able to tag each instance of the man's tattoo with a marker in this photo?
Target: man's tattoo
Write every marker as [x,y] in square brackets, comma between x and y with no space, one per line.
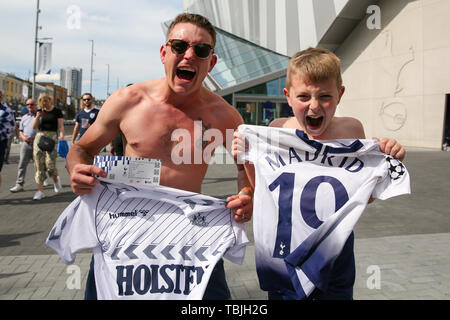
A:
[84,155]
[201,143]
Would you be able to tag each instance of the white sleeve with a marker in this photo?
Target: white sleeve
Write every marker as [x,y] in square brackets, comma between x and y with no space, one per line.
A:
[394,181]
[73,231]
[236,253]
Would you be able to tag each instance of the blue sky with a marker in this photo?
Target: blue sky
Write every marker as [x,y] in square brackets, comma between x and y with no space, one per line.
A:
[127,35]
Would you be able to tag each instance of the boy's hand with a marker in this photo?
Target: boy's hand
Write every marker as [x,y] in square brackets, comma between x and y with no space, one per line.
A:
[239,145]
[242,205]
[392,148]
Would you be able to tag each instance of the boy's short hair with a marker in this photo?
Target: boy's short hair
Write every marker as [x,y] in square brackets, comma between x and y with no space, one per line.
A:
[315,64]
[196,19]
[87,94]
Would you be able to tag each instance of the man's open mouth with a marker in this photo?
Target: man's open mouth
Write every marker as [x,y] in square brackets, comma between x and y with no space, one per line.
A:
[314,122]
[185,73]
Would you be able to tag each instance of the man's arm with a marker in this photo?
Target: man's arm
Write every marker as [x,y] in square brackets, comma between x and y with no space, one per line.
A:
[76,129]
[23,137]
[100,133]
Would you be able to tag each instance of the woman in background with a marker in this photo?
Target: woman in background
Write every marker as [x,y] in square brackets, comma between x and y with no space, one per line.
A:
[50,122]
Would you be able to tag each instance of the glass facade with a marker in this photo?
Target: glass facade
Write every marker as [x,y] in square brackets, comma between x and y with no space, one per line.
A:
[273,88]
[240,61]
[241,64]
[262,113]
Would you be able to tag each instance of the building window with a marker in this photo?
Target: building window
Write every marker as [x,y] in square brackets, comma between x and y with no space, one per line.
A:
[273,88]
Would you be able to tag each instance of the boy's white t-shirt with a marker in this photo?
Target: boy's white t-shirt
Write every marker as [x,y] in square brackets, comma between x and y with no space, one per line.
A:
[149,242]
[308,197]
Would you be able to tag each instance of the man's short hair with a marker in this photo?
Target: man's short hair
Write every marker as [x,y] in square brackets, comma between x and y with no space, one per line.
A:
[196,19]
[316,65]
[88,94]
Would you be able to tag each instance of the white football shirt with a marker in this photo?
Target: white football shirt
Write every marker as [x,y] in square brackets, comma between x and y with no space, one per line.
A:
[149,242]
[308,197]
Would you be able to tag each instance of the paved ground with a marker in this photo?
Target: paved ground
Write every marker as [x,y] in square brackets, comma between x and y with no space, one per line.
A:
[402,242]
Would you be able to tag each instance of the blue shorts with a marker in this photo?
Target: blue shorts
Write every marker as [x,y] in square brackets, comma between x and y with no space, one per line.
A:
[217,288]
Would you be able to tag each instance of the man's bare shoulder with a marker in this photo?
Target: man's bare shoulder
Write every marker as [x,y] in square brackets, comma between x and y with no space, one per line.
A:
[126,98]
[138,91]
[228,115]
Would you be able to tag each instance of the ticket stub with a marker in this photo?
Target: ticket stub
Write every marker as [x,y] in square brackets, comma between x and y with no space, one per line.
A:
[129,170]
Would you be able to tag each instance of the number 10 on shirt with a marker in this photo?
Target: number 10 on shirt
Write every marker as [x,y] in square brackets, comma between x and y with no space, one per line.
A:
[286,183]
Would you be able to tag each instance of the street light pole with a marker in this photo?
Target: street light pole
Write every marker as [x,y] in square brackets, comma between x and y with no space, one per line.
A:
[35,50]
[107,84]
[92,64]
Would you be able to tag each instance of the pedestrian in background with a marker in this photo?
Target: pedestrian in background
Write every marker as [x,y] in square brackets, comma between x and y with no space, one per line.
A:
[7,125]
[26,134]
[50,123]
[85,117]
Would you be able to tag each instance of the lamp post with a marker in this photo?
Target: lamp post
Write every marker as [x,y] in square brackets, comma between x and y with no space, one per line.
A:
[92,64]
[36,42]
[35,50]
[107,84]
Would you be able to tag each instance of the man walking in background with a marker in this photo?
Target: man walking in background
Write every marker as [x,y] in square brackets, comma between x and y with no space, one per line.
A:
[85,117]
[26,134]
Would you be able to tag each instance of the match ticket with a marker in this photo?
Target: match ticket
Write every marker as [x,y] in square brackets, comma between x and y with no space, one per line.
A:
[129,170]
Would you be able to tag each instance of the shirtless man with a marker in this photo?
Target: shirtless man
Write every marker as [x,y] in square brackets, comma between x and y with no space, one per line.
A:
[147,114]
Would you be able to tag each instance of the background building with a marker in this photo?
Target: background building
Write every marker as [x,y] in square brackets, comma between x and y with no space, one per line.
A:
[13,91]
[70,79]
[3,82]
[394,56]
[16,91]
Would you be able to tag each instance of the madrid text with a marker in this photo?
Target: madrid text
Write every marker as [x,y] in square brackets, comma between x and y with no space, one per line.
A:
[275,160]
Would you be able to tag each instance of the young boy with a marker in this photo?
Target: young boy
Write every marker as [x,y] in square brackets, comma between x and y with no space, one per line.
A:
[313,90]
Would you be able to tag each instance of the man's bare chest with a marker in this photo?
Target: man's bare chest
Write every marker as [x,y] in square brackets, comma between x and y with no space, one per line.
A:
[159,134]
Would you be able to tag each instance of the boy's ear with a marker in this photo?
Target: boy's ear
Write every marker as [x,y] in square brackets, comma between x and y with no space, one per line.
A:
[341,93]
[286,93]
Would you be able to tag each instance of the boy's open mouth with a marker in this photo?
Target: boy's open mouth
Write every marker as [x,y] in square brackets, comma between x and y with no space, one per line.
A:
[314,122]
[185,73]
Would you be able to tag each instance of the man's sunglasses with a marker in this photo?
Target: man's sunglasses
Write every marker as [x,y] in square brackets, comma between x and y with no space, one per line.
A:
[201,50]
[89,99]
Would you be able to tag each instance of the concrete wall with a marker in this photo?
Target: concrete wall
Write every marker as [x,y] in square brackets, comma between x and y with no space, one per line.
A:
[397,77]
[284,26]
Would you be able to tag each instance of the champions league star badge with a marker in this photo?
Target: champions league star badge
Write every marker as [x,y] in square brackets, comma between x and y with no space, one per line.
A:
[396,168]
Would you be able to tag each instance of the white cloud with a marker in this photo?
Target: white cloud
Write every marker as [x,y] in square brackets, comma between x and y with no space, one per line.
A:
[127,35]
